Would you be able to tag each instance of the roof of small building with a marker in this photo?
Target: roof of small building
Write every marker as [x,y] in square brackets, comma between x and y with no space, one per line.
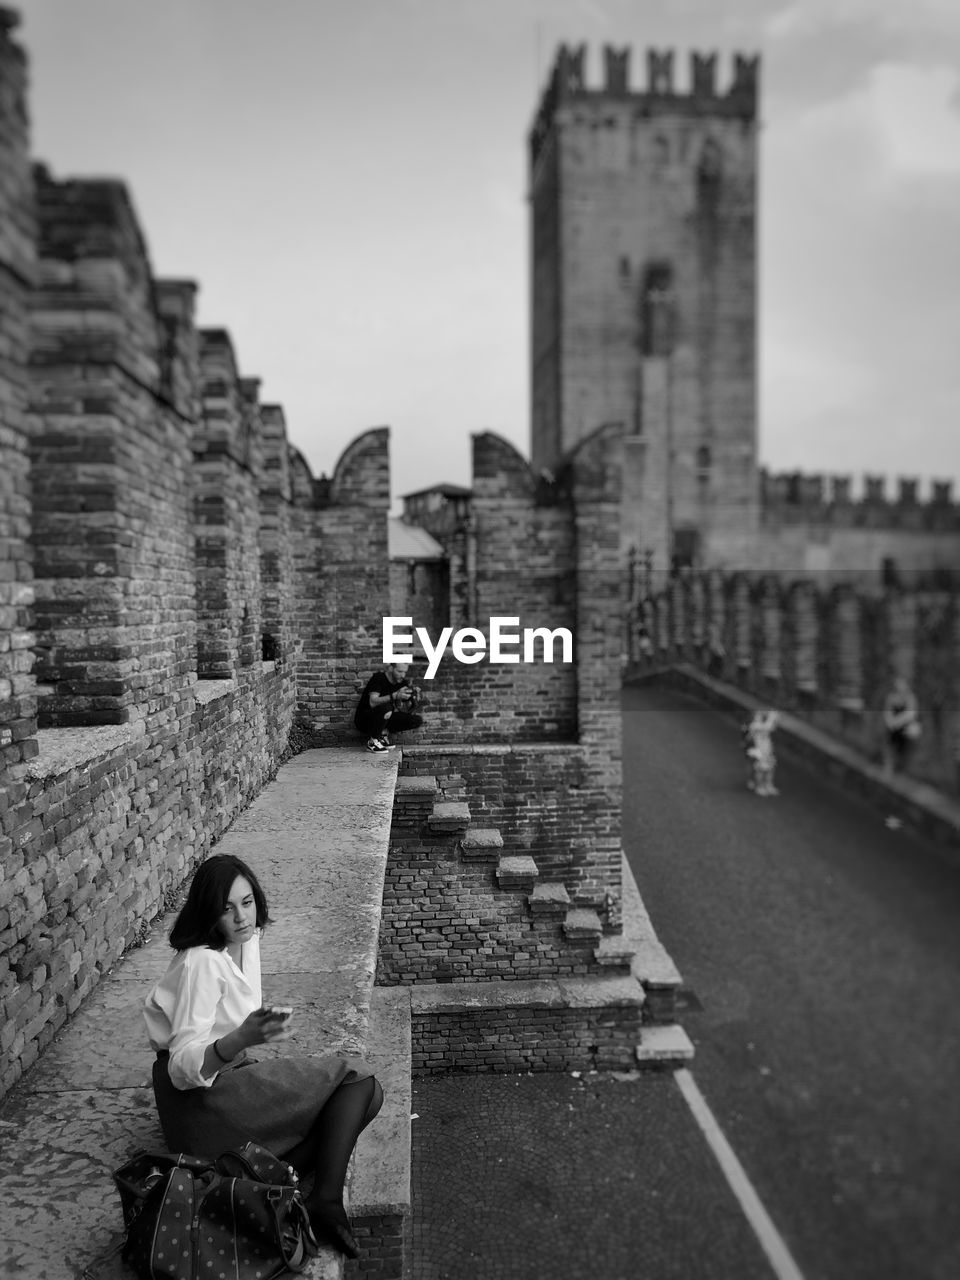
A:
[410,542]
[448,490]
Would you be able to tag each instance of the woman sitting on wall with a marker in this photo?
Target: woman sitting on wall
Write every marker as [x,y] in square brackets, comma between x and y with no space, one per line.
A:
[203,1016]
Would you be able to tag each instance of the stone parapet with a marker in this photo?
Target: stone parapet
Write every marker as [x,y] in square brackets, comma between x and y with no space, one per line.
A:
[824,650]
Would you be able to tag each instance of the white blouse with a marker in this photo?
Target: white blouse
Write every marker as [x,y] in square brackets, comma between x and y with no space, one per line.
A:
[202,996]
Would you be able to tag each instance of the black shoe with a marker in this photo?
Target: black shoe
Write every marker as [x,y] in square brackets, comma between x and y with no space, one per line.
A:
[332,1226]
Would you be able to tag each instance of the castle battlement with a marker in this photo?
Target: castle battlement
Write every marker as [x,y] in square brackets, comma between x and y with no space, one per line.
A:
[799,496]
[660,94]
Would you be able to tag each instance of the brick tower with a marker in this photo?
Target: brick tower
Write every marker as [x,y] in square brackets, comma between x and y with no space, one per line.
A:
[644,263]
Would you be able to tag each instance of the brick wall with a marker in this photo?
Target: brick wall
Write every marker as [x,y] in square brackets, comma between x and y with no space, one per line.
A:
[18,718]
[445,916]
[525,1039]
[539,799]
[276,542]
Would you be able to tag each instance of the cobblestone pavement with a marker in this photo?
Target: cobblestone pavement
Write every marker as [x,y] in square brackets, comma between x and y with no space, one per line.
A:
[550,1177]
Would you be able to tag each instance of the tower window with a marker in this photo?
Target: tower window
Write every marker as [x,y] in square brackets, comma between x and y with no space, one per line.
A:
[657,311]
[704,462]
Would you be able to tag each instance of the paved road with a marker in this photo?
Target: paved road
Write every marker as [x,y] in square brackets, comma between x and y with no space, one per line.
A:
[822,951]
[550,1177]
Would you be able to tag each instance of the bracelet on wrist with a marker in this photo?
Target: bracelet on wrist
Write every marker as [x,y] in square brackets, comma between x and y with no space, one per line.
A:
[216,1050]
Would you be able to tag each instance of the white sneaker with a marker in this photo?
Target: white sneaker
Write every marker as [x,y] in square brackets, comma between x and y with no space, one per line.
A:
[374,744]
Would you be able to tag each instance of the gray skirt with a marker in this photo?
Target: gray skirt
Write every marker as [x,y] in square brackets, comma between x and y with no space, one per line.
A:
[273,1103]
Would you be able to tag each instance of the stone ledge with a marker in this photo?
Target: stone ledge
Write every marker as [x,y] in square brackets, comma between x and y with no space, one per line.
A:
[660,1045]
[651,965]
[210,690]
[581,922]
[381,1182]
[544,993]
[516,872]
[614,950]
[482,838]
[62,750]
[411,785]
[548,897]
[449,815]
[490,749]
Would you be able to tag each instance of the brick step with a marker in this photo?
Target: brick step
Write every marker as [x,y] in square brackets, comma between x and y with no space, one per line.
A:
[413,785]
[480,844]
[449,816]
[517,872]
[581,923]
[663,1046]
[614,952]
[549,902]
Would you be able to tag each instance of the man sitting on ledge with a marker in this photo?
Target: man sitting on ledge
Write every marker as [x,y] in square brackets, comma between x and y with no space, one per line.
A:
[386,706]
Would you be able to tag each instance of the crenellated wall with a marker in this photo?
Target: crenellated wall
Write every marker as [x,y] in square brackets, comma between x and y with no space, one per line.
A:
[813,523]
[170,576]
[342,584]
[826,649]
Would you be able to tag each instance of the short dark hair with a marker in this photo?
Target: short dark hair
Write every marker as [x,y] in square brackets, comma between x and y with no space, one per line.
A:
[198,924]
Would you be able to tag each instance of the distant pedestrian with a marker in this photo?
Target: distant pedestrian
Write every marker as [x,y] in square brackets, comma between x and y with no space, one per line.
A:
[901,724]
[761,757]
[644,642]
[716,653]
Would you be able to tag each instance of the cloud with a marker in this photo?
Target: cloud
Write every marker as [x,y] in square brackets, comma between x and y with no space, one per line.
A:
[817,50]
[916,111]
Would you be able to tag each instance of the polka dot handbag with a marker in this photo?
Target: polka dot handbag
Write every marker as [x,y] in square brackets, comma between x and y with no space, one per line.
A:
[239,1217]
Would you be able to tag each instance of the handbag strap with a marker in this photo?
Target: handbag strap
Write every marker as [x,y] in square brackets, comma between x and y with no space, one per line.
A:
[306,1246]
[89,1272]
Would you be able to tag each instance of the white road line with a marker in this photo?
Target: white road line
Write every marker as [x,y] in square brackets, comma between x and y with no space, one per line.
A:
[767,1234]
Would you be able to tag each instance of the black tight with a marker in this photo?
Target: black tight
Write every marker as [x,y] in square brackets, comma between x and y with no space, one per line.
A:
[325,1152]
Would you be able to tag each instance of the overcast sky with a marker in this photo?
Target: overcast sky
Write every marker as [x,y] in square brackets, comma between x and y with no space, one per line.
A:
[345,180]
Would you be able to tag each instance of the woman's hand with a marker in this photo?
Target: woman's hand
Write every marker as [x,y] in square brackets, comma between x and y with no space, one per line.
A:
[265,1026]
